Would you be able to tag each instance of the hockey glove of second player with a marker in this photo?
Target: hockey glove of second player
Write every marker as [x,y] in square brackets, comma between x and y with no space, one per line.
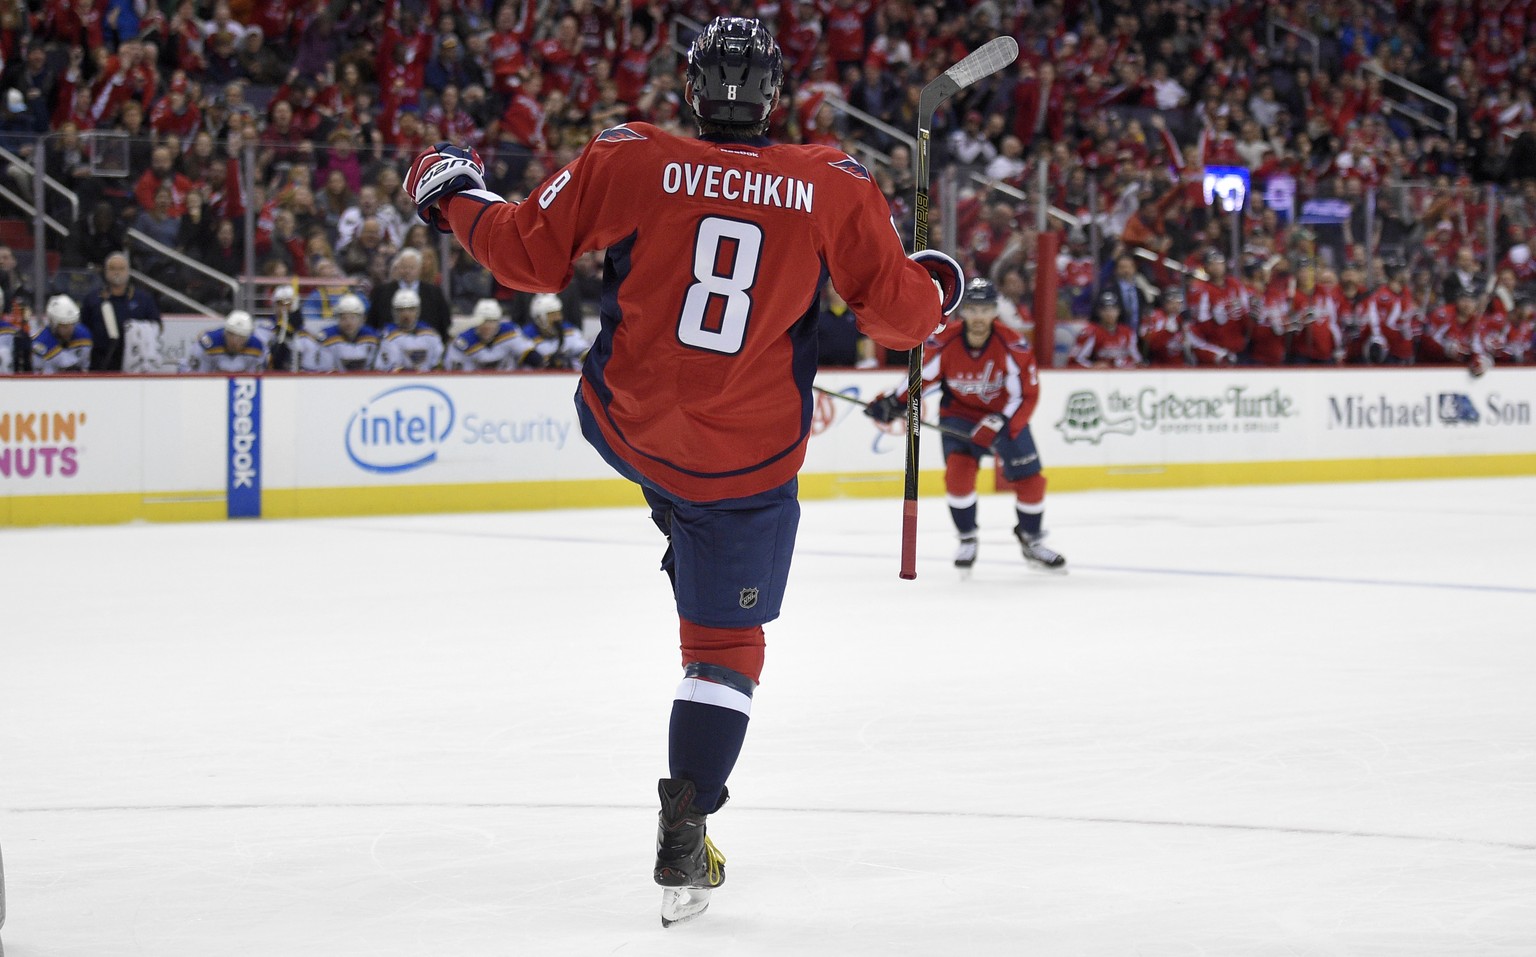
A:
[988,429]
[440,172]
[947,276]
[886,408]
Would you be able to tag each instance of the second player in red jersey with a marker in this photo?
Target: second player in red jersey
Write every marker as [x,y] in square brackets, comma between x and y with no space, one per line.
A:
[989,387]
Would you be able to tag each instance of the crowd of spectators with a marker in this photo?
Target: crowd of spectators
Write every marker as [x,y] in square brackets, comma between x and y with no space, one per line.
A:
[1122,103]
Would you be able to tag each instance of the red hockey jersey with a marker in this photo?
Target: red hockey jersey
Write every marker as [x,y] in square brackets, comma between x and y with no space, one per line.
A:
[1395,319]
[1269,326]
[1099,347]
[701,376]
[1162,338]
[1317,313]
[1221,313]
[999,377]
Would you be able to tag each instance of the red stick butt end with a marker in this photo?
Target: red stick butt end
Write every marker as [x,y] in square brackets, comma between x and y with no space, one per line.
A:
[909,539]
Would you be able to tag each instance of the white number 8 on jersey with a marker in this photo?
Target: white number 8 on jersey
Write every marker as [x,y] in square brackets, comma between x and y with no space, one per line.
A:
[733,245]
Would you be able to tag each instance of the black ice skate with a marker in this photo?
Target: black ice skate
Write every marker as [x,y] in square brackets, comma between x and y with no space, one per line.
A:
[965,555]
[1037,554]
[688,866]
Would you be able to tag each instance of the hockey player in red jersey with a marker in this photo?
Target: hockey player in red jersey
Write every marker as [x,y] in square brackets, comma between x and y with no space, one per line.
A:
[1521,337]
[1354,320]
[1162,331]
[1394,319]
[1220,307]
[1105,343]
[1269,318]
[990,387]
[698,387]
[1316,307]
[1450,332]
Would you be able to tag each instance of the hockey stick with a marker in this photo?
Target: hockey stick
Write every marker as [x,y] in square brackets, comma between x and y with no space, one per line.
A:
[993,56]
[955,433]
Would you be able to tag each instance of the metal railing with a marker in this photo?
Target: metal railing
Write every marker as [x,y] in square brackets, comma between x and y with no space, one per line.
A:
[26,207]
[40,226]
[186,262]
[1276,27]
[176,294]
[41,182]
[694,26]
[1418,102]
[873,122]
[49,182]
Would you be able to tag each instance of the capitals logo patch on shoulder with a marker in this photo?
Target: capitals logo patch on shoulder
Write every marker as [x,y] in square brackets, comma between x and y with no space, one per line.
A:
[618,134]
[852,167]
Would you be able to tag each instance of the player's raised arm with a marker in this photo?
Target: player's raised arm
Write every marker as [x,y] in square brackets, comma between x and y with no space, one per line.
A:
[529,245]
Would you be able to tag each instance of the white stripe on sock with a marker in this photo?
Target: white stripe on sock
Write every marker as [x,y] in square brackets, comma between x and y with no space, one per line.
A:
[1027,509]
[707,692]
[961,501]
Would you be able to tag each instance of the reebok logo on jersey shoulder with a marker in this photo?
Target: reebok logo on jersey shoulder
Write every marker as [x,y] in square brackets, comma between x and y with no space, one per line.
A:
[618,134]
[852,167]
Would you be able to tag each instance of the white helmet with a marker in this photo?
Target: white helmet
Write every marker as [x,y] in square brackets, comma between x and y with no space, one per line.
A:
[350,303]
[406,299]
[487,310]
[543,304]
[283,293]
[240,323]
[62,311]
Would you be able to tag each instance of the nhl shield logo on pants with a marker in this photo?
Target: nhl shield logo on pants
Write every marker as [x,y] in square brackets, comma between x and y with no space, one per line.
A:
[748,597]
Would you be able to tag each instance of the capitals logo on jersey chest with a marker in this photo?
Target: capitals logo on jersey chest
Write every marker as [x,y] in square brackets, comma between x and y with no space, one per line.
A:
[985,384]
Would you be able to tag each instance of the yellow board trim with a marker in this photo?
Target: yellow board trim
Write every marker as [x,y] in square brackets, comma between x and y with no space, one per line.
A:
[479,497]
[111,508]
[103,509]
[1190,475]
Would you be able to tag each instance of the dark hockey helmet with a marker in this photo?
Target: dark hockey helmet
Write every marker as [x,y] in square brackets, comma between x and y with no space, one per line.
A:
[734,72]
[979,292]
[1106,299]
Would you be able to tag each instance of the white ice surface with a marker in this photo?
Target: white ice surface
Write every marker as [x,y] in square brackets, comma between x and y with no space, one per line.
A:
[1270,721]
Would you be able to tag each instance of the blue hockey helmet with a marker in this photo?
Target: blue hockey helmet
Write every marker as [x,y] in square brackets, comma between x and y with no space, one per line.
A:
[734,72]
[979,292]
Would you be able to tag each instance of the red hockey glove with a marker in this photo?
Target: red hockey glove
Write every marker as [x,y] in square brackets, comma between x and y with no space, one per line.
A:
[947,276]
[440,172]
[886,408]
[988,429]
